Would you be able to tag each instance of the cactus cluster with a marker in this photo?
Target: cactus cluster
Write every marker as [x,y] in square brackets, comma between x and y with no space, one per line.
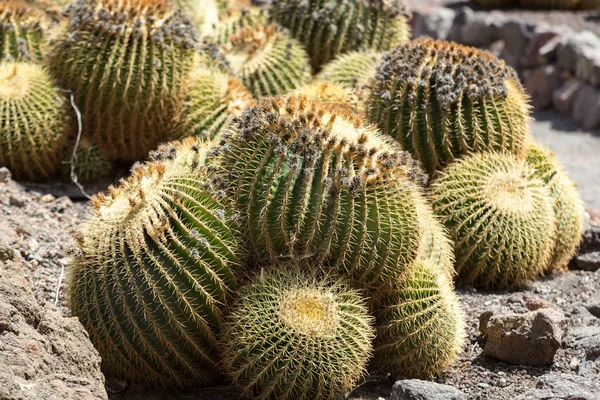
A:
[233,20]
[22,31]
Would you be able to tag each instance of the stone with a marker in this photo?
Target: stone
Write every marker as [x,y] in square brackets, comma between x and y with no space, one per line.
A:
[541,83]
[16,201]
[531,338]
[436,23]
[415,389]
[587,261]
[573,45]
[591,239]
[564,97]
[586,107]
[5,175]
[556,386]
[588,65]
[47,198]
[594,309]
[482,29]
[516,35]
[586,338]
[594,217]
[540,49]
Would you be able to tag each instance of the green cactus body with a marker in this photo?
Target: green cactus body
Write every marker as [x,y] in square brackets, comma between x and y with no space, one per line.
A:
[500,217]
[568,207]
[22,32]
[589,4]
[551,4]
[91,164]
[331,93]
[213,100]
[125,62]
[314,180]
[331,27]
[441,101]
[154,270]
[34,122]
[232,21]
[294,335]
[267,60]
[496,3]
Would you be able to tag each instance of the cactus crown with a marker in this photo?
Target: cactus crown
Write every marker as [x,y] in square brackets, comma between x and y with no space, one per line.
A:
[233,20]
[328,92]
[309,311]
[22,30]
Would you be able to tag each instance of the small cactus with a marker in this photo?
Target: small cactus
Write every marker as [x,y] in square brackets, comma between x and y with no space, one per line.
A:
[332,27]
[267,60]
[568,207]
[125,61]
[314,180]
[441,101]
[22,31]
[34,121]
[328,92]
[91,164]
[154,270]
[213,100]
[235,19]
[298,336]
[500,216]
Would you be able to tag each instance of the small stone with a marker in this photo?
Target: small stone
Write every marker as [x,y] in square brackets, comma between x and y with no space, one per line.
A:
[115,385]
[533,57]
[586,107]
[587,262]
[415,389]
[555,386]
[586,338]
[483,385]
[594,309]
[541,83]
[47,198]
[564,97]
[572,46]
[5,175]
[16,201]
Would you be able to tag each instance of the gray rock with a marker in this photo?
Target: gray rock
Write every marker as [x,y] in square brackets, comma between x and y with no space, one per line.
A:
[531,338]
[482,30]
[591,239]
[556,386]
[586,338]
[436,23]
[541,83]
[415,389]
[588,65]
[5,175]
[587,261]
[572,46]
[564,97]
[586,107]
[594,309]
[516,35]
[541,49]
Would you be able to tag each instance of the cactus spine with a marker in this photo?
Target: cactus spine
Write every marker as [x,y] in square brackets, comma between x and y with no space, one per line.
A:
[332,27]
[328,92]
[441,101]
[33,121]
[235,19]
[154,270]
[125,62]
[314,180]
[295,335]
[22,31]
[91,164]
[500,217]
[568,207]
[267,60]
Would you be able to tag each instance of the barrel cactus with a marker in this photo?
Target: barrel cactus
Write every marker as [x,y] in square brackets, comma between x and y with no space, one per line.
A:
[267,60]
[500,216]
[22,31]
[313,180]
[568,207]
[331,27]
[34,121]
[91,164]
[232,20]
[125,61]
[589,4]
[213,100]
[298,336]
[328,92]
[441,101]
[154,269]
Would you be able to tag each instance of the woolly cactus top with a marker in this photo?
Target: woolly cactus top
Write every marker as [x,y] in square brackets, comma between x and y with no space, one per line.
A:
[15,80]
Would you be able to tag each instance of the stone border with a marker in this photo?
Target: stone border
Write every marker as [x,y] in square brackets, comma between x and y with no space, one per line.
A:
[559,67]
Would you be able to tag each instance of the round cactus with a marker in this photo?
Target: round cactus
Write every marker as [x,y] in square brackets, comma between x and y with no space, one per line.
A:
[551,4]
[314,180]
[235,19]
[91,164]
[294,335]
[22,31]
[125,61]
[267,60]
[213,100]
[441,101]
[328,92]
[154,270]
[331,27]
[34,121]
[568,207]
[500,217]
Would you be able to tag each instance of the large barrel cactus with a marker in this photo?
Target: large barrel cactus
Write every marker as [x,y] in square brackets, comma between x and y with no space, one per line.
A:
[294,335]
[125,61]
[500,216]
[34,121]
[441,101]
[331,27]
[154,270]
[568,207]
[22,31]
[314,181]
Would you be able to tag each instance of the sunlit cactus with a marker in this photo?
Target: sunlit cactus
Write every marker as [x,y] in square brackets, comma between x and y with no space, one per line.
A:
[331,27]
[295,335]
[213,100]
[22,31]
[267,60]
[91,164]
[233,20]
[154,270]
[568,207]
[314,180]
[441,101]
[501,219]
[331,93]
[34,121]
[125,61]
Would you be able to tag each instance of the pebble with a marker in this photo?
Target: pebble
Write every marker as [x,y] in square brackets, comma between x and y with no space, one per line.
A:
[47,198]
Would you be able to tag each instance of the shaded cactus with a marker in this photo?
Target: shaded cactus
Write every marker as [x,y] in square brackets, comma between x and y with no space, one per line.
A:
[295,335]
[500,217]
[235,19]
[589,4]
[213,100]
[551,4]
[91,164]
[154,270]
[22,31]
[267,60]
[33,121]
[331,27]
[125,62]
[568,207]
[328,92]
[314,181]
[441,101]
